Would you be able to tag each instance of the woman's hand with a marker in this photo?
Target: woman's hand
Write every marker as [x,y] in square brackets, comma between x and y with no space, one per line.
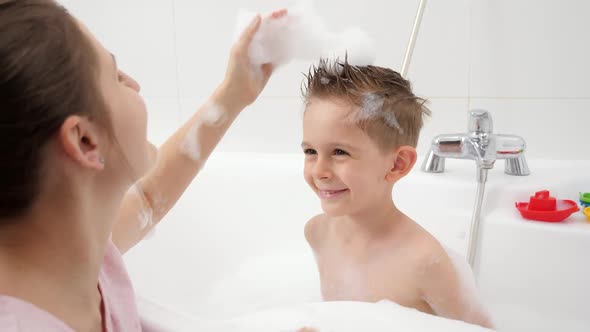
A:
[244,81]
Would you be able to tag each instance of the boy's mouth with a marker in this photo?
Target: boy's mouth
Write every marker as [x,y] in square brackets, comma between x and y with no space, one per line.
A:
[325,194]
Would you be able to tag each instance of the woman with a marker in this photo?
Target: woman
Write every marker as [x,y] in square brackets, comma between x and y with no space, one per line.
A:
[73,142]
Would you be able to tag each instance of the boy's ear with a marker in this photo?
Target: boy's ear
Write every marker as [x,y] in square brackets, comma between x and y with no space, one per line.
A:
[405,158]
[79,139]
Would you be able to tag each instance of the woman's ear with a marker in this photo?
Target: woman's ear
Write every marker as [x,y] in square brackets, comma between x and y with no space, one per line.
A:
[405,158]
[79,139]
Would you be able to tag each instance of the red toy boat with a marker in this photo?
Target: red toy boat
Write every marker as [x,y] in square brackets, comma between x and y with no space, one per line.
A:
[543,207]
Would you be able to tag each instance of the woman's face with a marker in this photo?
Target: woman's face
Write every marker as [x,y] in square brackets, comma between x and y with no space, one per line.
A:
[127,113]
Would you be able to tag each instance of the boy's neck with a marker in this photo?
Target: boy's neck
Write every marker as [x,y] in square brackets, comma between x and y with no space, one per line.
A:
[376,219]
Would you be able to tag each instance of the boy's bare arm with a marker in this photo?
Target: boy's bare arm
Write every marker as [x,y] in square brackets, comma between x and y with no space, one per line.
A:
[312,235]
[443,289]
[313,230]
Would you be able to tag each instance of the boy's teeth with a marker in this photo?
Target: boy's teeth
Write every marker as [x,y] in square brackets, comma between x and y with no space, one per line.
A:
[330,192]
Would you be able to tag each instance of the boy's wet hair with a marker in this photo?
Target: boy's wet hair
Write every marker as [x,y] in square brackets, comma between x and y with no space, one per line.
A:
[384,105]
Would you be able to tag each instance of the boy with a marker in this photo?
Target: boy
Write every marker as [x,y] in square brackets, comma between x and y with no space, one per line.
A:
[360,130]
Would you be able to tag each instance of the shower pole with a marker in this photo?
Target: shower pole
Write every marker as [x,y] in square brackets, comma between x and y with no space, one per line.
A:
[474,230]
[413,37]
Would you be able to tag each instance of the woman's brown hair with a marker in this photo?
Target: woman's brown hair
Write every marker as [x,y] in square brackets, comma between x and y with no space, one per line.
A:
[48,72]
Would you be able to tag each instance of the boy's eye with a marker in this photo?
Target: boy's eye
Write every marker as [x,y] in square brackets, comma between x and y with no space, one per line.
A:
[309,151]
[339,152]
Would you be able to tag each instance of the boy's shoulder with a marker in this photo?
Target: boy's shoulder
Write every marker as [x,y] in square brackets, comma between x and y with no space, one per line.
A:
[424,245]
[315,228]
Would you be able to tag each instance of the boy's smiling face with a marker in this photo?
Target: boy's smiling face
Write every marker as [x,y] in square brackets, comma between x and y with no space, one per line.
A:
[343,165]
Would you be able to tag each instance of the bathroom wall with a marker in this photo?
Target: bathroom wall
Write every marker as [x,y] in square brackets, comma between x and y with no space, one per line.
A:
[525,61]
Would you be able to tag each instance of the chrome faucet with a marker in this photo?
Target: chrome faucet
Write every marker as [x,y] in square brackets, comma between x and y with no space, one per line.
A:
[479,144]
[485,147]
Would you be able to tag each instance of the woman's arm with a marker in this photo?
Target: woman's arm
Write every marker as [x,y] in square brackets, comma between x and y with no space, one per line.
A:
[181,157]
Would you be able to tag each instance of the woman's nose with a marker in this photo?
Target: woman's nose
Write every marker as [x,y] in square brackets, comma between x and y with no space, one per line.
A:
[134,85]
[131,82]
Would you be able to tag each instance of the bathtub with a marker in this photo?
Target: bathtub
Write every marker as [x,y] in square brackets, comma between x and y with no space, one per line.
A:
[233,246]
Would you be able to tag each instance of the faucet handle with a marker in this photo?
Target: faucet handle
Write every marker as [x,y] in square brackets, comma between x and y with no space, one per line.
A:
[480,121]
[509,146]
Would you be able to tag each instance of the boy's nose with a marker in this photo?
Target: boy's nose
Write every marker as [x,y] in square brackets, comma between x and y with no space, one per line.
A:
[321,170]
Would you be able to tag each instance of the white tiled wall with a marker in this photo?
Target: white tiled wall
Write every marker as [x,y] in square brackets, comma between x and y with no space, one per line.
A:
[523,60]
